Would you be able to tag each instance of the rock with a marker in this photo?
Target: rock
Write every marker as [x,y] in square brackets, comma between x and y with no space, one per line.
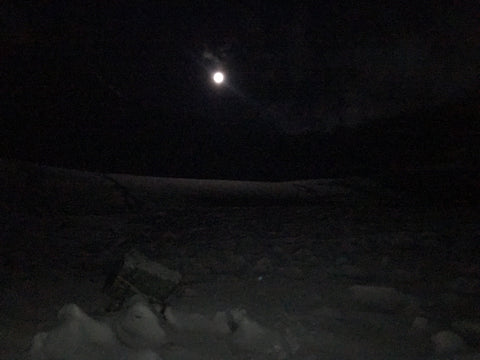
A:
[292,272]
[404,276]
[227,263]
[328,312]
[469,329]
[281,255]
[190,292]
[402,240]
[447,342]
[449,299]
[279,251]
[429,240]
[195,322]
[305,257]
[236,264]
[353,271]
[141,276]
[264,265]
[386,261]
[302,254]
[412,241]
[292,340]
[379,297]
[464,285]
[420,323]
[413,309]
[475,356]
[350,271]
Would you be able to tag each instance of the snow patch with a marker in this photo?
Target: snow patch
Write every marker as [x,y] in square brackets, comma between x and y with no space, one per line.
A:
[135,333]
[80,337]
[252,336]
[235,326]
[138,327]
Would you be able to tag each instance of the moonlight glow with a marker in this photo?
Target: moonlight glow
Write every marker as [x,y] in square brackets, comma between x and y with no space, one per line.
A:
[218,77]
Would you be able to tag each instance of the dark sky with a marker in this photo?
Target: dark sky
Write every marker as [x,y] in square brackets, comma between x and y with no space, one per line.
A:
[290,68]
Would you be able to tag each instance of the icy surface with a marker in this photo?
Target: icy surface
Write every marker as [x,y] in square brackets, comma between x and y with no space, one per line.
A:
[80,337]
[135,334]
[318,269]
[138,327]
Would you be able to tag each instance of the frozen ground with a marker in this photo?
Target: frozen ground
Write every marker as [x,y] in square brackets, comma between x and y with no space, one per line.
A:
[321,269]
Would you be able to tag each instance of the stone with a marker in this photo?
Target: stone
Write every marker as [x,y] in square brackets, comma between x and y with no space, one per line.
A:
[449,299]
[447,342]
[305,257]
[353,271]
[264,265]
[386,261]
[379,297]
[292,272]
[465,285]
[141,276]
[200,323]
[420,323]
[469,329]
[347,270]
[404,276]
[237,263]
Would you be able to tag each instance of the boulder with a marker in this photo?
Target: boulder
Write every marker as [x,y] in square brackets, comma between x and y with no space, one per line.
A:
[141,276]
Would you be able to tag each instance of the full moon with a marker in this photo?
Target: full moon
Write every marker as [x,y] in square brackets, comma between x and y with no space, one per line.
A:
[218,77]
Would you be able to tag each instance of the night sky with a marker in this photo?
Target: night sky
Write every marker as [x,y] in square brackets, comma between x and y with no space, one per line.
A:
[331,89]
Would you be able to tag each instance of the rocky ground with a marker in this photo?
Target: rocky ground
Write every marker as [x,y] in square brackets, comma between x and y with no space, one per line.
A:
[350,275]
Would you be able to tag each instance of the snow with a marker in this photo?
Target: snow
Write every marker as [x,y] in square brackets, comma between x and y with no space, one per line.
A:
[338,269]
[80,337]
[138,327]
[252,336]
[135,333]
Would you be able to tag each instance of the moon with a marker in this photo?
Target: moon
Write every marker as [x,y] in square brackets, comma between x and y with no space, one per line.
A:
[218,77]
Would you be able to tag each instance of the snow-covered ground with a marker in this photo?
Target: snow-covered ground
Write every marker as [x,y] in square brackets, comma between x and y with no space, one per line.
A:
[315,269]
